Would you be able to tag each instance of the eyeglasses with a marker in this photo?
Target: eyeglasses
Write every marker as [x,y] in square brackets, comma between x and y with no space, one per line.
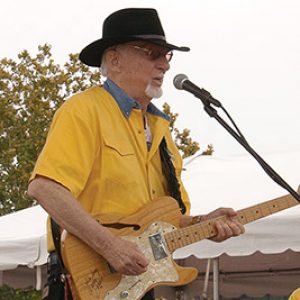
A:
[154,54]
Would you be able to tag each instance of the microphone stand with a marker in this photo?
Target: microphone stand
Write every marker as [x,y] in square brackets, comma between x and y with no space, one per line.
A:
[212,112]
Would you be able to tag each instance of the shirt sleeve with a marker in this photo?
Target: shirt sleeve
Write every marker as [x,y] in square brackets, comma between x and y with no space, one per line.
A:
[71,145]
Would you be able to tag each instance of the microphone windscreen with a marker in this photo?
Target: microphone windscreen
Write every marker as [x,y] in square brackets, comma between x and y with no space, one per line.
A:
[178,80]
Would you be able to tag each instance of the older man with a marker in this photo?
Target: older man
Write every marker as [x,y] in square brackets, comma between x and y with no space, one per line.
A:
[104,147]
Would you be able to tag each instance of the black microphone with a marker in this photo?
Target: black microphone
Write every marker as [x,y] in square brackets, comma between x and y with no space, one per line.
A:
[181,82]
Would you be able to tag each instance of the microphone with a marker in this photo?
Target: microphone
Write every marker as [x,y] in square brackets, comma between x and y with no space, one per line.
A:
[181,82]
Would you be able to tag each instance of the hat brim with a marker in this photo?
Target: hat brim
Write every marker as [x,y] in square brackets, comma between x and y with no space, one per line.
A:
[91,55]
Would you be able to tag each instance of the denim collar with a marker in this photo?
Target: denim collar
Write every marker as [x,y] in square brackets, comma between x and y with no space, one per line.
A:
[126,103]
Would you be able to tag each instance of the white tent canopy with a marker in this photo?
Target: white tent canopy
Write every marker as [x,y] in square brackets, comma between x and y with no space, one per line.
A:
[23,238]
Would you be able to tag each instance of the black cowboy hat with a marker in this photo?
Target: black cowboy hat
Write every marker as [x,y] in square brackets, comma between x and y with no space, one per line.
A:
[127,25]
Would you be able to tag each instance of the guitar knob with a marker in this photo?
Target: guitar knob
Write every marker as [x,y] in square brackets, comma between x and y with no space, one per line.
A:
[124,294]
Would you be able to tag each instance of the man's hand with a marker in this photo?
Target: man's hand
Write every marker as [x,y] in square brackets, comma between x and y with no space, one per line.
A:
[226,229]
[125,257]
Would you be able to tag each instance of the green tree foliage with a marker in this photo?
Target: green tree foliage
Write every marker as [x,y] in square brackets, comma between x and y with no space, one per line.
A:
[31,90]
[8,293]
[183,140]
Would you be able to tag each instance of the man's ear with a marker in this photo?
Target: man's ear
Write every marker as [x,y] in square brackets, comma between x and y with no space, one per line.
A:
[113,61]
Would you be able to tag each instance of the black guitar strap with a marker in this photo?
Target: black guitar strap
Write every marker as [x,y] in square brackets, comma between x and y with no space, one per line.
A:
[170,174]
[55,229]
[66,293]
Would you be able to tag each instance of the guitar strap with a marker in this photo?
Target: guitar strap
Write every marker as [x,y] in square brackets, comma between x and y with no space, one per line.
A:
[55,229]
[170,174]
[64,277]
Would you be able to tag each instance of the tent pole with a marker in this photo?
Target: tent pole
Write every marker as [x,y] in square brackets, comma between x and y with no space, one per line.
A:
[206,279]
[38,285]
[215,278]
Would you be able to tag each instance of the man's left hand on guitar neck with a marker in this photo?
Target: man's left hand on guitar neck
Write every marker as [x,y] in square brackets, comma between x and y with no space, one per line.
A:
[226,229]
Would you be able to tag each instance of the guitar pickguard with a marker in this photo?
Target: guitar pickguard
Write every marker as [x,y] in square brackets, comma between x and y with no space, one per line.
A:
[160,269]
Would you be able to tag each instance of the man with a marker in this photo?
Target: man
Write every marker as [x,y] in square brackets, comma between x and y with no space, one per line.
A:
[102,153]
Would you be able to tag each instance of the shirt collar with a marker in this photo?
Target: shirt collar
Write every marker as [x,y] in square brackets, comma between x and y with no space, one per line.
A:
[126,103]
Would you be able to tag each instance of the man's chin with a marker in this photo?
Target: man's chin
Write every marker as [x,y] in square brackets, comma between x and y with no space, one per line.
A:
[153,92]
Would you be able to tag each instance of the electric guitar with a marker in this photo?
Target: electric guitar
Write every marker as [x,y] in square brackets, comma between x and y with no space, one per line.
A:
[155,229]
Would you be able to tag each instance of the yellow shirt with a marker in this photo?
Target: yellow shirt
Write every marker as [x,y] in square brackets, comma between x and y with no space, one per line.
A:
[98,151]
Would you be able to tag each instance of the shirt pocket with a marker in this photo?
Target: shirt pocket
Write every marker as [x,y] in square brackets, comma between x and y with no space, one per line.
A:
[118,146]
[117,165]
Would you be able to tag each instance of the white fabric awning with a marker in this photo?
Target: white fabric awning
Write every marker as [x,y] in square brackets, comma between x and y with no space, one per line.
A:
[23,238]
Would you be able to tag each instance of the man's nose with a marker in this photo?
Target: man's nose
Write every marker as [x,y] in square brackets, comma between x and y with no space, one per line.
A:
[163,64]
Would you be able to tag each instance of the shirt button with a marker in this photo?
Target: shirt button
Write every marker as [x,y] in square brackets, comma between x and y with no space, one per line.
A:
[139,131]
[153,192]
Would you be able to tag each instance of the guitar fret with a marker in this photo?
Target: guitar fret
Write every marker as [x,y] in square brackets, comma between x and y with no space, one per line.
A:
[188,236]
[265,210]
[210,229]
[180,241]
[205,231]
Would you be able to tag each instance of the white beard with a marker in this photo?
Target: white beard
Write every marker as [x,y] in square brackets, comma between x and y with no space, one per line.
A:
[153,92]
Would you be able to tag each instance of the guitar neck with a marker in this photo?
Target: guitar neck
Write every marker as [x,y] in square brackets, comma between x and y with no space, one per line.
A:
[188,235]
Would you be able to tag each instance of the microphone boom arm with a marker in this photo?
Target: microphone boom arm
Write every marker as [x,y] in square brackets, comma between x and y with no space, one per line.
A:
[212,112]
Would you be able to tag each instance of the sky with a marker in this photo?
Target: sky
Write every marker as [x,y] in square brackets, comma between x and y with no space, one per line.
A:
[246,53]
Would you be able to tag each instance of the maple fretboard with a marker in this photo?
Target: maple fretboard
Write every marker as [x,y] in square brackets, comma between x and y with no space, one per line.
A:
[192,234]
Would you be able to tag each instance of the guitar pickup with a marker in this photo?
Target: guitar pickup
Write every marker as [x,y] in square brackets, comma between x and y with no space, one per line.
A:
[157,245]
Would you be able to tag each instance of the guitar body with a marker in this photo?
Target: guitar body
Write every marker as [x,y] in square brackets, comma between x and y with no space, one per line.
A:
[92,277]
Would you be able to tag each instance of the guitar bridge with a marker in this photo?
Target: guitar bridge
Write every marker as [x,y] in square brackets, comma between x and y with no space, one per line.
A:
[157,245]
